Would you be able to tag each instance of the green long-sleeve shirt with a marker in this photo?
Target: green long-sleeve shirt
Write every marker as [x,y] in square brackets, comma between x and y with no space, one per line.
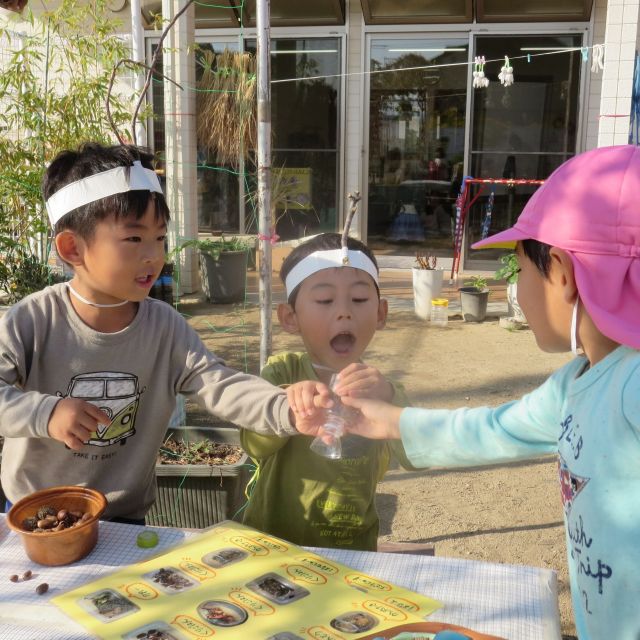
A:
[310,500]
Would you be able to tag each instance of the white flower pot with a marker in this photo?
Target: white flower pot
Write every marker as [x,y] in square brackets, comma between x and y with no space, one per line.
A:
[513,307]
[427,284]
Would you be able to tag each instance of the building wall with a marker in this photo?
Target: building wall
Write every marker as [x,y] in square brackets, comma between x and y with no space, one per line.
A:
[355,111]
[621,37]
[591,112]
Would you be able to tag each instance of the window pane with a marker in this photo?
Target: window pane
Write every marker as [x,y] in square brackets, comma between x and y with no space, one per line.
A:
[523,131]
[416,143]
[524,10]
[304,117]
[206,17]
[300,12]
[218,183]
[416,10]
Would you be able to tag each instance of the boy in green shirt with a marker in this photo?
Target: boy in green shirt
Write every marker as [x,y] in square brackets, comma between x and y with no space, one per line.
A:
[333,303]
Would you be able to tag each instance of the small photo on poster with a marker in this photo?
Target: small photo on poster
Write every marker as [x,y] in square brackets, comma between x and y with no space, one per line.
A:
[154,631]
[221,613]
[170,580]
[107,605]
[223,557]
[285,635]
[277,589]
[354,622]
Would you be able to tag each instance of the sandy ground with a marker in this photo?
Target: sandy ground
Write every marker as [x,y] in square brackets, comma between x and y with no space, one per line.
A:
[508,513]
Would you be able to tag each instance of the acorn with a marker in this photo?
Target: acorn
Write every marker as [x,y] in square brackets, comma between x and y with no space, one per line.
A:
[29,524]
[45,511]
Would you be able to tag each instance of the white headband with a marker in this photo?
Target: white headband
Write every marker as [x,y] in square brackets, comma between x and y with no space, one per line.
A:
[319,260]
[101,185]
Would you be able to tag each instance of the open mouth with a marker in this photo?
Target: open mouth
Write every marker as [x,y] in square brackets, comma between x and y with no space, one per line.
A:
[343,342]
[145,281]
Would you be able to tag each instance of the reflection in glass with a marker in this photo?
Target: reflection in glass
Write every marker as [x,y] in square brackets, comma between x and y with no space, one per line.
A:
[522,131]
[525,10]
[417,10]
[305,134]
[218,184]
[416,143]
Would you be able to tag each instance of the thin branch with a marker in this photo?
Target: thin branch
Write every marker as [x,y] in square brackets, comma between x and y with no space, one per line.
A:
[355,198]
[154,59]
[135,63]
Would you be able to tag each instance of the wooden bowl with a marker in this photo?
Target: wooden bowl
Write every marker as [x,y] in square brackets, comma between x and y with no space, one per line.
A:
[54,548]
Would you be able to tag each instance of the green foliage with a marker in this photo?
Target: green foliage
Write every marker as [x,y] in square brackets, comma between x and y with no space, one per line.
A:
[478,282]
[214,246]
[22,273]
[509,269]
[53,86]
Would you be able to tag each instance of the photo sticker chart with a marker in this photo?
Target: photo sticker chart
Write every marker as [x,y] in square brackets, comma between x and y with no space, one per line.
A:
[234,582]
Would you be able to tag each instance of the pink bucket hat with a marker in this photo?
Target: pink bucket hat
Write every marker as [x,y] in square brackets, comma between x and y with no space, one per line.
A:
[590,207]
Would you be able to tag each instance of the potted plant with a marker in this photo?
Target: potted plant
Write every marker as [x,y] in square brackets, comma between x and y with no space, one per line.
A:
[427,284]
[201,474]
[509,272]
[223,266]
[474,297]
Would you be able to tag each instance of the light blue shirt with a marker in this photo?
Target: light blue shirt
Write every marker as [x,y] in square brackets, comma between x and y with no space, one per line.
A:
[592,420]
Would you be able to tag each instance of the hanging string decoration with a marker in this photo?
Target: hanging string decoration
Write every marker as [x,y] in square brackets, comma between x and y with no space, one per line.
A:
[480,81]
[597,58]
[506,73]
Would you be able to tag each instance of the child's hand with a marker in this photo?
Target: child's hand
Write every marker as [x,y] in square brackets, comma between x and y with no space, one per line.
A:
[307,401]
[359,380]
[73,420]
[376,419]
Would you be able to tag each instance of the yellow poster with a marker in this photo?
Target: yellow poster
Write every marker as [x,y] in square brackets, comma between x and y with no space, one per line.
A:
[234,582]
[297,184]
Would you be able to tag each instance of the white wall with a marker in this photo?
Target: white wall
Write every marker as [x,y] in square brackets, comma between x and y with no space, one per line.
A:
[591,112]
[621,36]
[355,113]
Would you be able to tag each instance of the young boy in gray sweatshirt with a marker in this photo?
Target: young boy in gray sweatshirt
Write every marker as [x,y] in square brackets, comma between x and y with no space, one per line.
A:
[90,369]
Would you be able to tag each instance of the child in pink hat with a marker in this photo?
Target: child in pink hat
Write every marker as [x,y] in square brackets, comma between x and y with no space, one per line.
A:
[578,247]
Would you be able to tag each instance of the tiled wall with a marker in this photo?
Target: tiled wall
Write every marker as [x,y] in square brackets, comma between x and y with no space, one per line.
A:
[621,38]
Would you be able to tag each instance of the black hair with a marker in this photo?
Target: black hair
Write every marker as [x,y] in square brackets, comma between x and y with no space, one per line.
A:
[322,242]
[92,158]
[538,253]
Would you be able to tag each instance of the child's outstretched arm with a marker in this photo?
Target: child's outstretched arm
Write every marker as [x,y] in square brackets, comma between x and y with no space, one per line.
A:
[377,419]
[360,380]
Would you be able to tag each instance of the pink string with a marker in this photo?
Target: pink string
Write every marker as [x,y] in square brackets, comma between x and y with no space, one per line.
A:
[273,237]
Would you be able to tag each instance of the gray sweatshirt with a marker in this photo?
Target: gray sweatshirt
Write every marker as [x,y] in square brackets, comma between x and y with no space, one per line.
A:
[48,353]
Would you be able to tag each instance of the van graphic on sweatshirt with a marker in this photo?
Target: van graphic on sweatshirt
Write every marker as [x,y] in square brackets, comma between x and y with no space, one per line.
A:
[117,394]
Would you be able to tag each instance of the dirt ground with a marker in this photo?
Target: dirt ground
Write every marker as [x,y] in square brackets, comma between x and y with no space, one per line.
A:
[508,513]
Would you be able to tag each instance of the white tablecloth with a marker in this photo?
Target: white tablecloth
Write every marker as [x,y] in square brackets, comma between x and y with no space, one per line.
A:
[511,601]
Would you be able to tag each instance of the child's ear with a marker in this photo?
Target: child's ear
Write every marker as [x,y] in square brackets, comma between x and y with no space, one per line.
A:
[68,246]
[561,271]
[288,318]
[383,310]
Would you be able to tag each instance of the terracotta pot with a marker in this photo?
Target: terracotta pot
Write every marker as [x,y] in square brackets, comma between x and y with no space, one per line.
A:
[57,548]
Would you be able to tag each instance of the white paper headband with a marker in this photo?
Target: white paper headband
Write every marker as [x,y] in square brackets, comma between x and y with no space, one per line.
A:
[101,185]
[319,260]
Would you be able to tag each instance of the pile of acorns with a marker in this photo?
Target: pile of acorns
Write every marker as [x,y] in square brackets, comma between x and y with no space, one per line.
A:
[49,519]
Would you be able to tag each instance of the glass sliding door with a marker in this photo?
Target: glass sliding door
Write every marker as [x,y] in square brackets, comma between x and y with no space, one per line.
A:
[416,142]
[522,131]
[219,185]
[306,134]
